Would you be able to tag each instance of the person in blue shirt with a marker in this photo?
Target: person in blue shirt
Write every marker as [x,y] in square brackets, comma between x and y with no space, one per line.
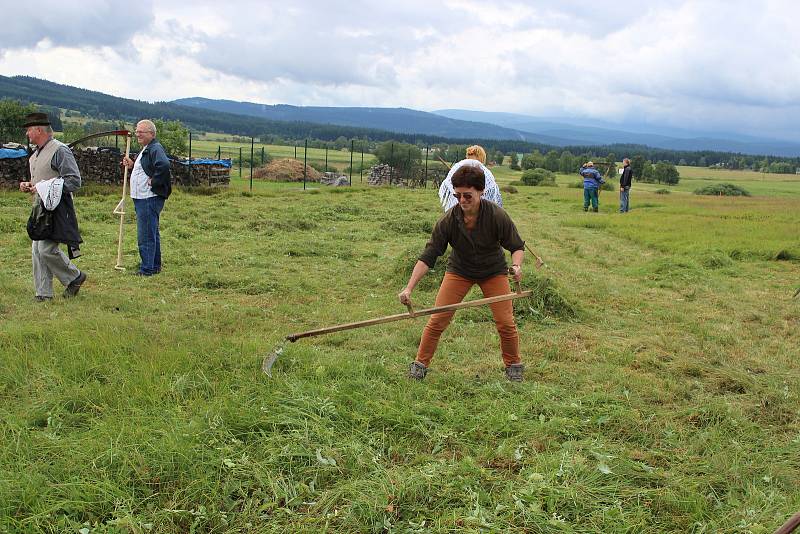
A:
[592,180]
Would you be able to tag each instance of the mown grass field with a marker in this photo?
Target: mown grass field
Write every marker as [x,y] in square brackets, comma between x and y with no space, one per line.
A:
[337,159]
[662,371]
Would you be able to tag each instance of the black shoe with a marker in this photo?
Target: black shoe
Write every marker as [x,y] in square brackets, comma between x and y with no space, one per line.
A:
[75,285]
[514,372]
[40,298]
[417,371]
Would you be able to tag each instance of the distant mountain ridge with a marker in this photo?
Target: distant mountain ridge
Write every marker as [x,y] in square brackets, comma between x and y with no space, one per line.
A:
[577,132]
[504,131]
[402,120]
[108,107]
[464,124]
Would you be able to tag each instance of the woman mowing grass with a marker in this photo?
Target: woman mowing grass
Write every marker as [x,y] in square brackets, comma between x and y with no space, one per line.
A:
[477,231]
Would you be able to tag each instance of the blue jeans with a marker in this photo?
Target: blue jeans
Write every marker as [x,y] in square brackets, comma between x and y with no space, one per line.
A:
[624,199]
[148,211]
[590,194]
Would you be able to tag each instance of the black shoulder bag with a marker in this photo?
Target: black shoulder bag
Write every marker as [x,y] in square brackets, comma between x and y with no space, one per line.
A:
[40,223]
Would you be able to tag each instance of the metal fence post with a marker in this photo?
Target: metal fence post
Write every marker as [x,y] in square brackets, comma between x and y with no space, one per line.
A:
[425,180]
[240,163]
[190,157]
[262,155]
[305,165]
[252,147]
[326,157]
[350,176]
[361,171]
[391,164]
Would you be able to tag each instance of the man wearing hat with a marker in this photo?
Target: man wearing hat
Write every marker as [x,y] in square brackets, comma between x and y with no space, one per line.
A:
[51,159]
[592,180]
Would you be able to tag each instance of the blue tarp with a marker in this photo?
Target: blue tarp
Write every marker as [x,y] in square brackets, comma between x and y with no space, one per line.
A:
[12,153]
[196,161]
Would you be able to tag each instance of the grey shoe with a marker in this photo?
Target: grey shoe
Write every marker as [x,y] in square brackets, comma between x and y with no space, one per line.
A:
[75,285]
[417,371]
[514,372]
[40,298]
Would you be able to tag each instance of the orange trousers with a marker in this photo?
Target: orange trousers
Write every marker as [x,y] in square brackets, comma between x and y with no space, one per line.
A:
[453,290]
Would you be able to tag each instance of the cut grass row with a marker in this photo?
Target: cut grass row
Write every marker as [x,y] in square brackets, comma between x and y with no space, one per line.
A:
[668,402]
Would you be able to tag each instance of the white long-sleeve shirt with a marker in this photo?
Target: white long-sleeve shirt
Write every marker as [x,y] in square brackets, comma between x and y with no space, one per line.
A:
[490,192]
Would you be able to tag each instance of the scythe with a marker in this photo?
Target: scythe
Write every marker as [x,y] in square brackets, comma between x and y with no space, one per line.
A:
[120,209]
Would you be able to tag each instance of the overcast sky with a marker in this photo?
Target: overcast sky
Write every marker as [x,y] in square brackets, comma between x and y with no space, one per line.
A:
[701,65]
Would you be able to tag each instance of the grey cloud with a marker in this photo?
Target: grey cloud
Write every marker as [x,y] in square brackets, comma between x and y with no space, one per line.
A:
[358,43]
[698,62]
[87,23]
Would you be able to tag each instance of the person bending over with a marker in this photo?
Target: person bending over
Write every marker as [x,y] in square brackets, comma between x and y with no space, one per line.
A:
[477,231]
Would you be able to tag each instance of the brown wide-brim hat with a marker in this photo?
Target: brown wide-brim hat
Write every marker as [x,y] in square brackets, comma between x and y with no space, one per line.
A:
[36,119]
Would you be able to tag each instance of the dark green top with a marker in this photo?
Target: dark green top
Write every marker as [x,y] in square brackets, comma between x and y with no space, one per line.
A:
[477,254]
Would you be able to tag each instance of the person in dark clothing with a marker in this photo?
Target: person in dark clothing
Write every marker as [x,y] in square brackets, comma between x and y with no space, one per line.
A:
[477,230]
[625,186]
[150,187]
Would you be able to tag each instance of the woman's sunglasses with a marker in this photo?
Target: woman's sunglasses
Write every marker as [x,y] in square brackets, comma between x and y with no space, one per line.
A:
[467,196]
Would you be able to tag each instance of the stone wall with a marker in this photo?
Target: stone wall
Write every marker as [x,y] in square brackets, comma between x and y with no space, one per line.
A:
[102,166]
[383,174]
[12,172]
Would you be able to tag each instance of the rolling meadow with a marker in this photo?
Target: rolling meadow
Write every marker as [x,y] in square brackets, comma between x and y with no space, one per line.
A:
[661,390]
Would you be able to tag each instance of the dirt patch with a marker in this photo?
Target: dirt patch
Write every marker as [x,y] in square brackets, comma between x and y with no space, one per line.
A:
[286,170]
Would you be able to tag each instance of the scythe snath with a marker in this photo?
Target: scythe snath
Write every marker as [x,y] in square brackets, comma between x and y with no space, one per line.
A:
[269,359]
[120,209]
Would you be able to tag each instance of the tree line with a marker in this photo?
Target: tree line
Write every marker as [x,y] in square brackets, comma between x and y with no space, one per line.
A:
[103,107]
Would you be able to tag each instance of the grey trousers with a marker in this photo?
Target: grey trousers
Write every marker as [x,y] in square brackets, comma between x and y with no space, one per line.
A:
[49,261]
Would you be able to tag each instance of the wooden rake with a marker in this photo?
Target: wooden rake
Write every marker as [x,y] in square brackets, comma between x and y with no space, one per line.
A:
[270,359]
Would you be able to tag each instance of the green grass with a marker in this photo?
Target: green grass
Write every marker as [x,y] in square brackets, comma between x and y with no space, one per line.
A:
[661,352]
[337,159]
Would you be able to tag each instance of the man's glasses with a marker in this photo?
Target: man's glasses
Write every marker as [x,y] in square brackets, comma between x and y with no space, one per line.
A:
[467,196]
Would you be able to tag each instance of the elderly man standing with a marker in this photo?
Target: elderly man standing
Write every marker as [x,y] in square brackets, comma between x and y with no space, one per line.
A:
[51,159]
[150,187]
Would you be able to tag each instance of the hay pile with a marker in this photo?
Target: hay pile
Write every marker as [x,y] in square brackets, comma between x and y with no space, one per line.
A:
[723,190]
[286,170]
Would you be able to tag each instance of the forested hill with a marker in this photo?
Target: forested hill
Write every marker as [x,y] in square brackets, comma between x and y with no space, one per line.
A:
[103,106]
[403,120]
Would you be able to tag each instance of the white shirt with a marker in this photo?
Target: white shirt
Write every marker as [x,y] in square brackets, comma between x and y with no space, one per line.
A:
[490,192]
[139,187]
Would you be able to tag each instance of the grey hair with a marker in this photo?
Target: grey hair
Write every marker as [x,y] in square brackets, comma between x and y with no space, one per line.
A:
[148,124]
